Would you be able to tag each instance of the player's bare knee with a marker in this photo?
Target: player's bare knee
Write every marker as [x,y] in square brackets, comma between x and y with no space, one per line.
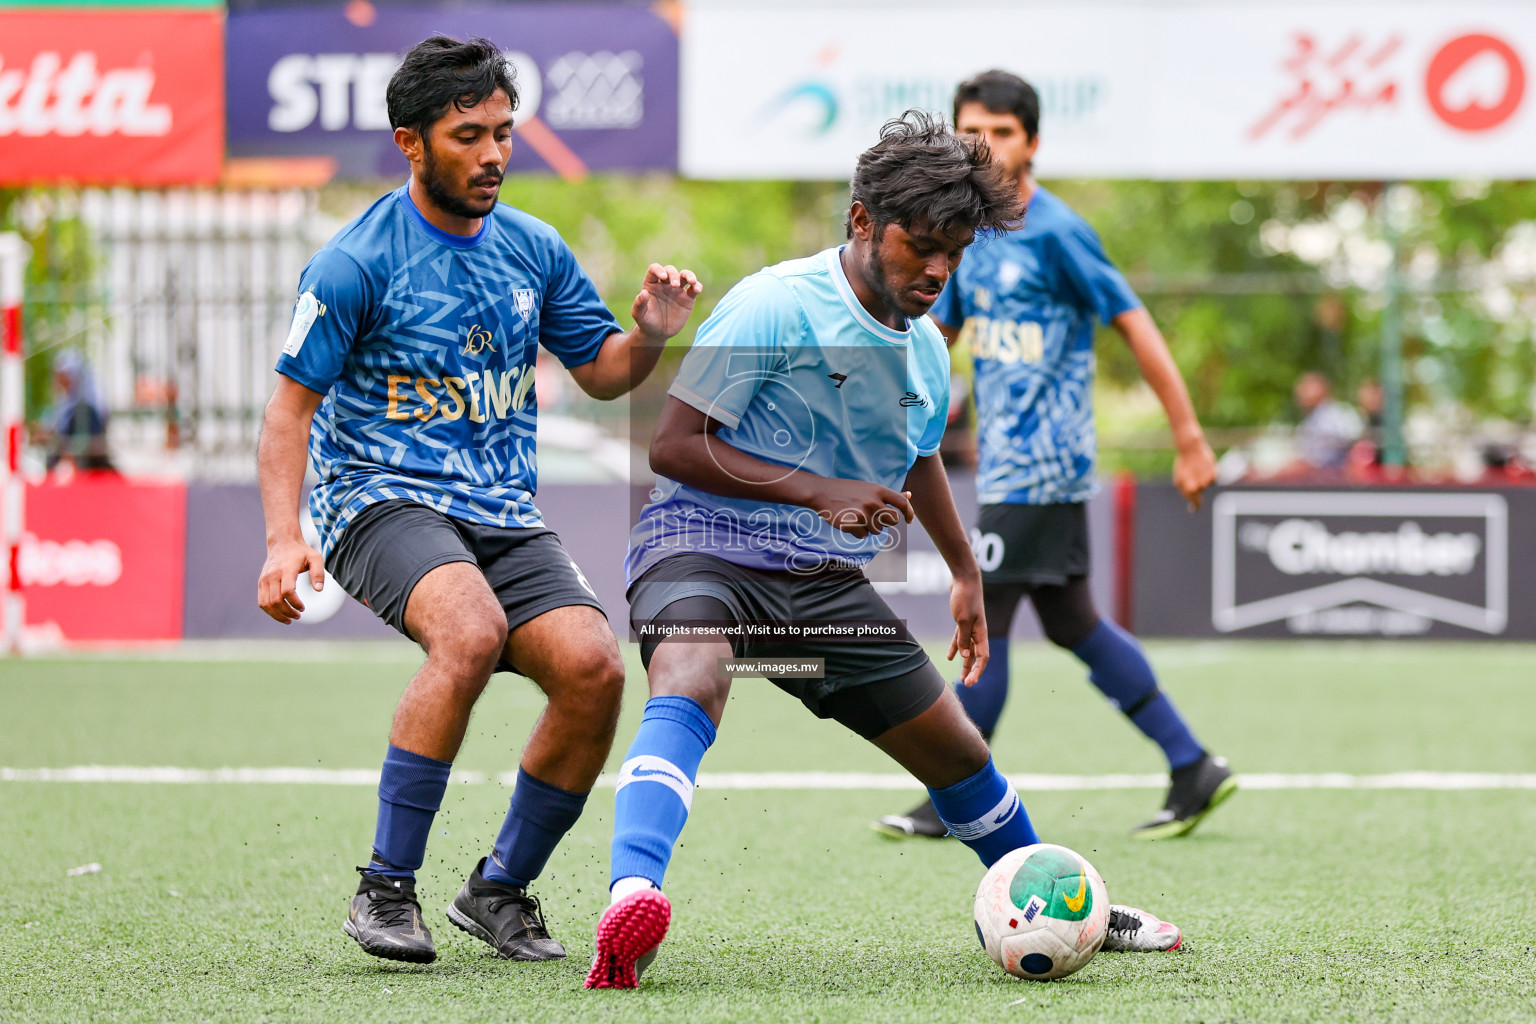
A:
[472,647]
[592,689]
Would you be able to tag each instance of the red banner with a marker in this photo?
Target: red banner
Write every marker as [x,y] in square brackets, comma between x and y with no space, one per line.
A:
[111,98]
[104,558]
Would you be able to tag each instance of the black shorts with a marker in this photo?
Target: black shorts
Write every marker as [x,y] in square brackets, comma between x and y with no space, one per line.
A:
[871,683]
[390,546]
[1032,544]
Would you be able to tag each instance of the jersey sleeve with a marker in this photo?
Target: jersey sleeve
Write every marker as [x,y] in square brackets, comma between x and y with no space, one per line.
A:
[574,321]
[331,311]
[1095,279]
[938,420]
[745,340]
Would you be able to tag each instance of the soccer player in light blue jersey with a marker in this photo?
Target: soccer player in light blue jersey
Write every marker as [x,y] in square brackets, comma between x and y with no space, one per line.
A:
[409,370]
[802,427]
[1026,301]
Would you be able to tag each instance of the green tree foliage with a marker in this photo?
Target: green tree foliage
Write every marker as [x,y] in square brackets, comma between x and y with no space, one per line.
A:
[1254,283]
[723,231]
[59,294]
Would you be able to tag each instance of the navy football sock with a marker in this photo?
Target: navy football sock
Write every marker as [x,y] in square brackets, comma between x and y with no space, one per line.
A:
[656,786]
[539,817]
[410,792]
[983,701]
[984,813]
[1119,668]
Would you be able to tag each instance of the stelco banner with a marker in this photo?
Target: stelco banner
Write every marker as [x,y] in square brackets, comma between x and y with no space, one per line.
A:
[111,97]
[1384,562]
[597,83]
[1265,90]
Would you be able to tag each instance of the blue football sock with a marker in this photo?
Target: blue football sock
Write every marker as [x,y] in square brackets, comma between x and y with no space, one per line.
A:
[1119,668]
[984,813]
[410,792]
[656,786]
[538,819]
[983,700]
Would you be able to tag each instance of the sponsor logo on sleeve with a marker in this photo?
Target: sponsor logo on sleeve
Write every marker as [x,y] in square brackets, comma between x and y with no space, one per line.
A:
[305,312]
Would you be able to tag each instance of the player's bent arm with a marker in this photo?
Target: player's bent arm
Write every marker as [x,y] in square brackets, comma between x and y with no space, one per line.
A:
[684,448]
[1195,465]
[928,484]
[282,452]
[660,310]
[622,363]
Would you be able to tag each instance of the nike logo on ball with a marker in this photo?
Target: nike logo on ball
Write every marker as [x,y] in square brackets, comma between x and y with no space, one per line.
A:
[1075,903]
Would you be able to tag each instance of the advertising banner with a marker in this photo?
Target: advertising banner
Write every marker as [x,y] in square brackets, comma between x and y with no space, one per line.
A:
[1177,91]
[1334,562]
[102,559]
[111,97]
[226,546]
[597,82]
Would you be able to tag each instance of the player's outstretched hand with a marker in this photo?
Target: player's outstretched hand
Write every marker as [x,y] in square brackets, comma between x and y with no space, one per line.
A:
[1193,471]
[665,301]
[970,639]
[277,588]
[861,508]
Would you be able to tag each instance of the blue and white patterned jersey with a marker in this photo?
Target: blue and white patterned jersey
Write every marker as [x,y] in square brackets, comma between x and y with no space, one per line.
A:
[424,345]
[1026,301]
[801,376]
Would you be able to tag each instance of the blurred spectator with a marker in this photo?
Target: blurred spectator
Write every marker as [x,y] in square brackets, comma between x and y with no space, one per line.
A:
[76,433]
[1366,457]
[1502,465]
[1328,428]
[1371,400]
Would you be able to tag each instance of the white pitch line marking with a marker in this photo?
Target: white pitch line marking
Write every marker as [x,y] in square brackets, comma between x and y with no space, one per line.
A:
[165,775]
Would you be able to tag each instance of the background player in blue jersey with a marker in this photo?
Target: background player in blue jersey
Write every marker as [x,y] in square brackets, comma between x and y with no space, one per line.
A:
[1026,301]
[803,425]
[415,337]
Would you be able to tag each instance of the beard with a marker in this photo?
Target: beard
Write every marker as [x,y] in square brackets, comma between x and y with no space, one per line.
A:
[440,189]
[880,284]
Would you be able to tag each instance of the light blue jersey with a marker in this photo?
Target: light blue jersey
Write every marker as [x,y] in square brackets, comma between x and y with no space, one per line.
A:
[424,345]
[1026,301]
[801,376]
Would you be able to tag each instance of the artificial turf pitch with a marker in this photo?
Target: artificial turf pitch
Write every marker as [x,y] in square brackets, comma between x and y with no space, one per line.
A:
[223,902]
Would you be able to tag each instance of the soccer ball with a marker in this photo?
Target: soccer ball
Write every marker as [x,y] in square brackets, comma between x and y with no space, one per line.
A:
[1042,912]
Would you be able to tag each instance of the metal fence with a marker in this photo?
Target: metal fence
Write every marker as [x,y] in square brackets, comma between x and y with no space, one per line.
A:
[181,300]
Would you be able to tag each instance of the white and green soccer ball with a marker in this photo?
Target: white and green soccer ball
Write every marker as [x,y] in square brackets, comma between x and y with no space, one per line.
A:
[1042,912]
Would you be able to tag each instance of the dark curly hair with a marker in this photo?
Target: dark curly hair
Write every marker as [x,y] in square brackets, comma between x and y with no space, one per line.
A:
[921,172]
[1002,93]
[440,71]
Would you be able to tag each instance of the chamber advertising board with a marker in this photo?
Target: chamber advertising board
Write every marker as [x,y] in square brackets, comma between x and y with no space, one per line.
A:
[111,97]
[597,83]
[1175,91]
[1395,562]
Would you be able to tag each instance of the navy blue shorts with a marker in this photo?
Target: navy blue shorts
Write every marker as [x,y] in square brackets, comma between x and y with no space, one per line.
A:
[1037,545]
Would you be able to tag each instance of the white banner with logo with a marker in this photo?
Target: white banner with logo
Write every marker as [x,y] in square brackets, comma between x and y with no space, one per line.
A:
[1185,91]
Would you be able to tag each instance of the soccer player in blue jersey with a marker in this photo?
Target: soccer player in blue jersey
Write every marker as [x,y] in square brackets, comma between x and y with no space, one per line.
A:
[803,425]
[409,370]
[1026,301]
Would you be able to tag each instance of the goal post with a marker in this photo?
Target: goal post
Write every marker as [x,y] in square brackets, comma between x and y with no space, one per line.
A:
[13,262]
